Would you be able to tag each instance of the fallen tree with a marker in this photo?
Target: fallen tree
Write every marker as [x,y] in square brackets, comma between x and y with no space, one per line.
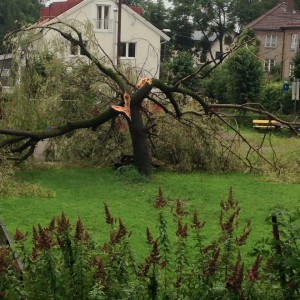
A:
[130,94]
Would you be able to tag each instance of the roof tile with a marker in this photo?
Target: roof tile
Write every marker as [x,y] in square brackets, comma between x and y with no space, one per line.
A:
[276,18]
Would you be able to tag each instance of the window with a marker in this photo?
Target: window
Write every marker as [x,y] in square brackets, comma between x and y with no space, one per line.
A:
[291,69]
[295,41]
[218,55]
[271,40]
[127,50]
[103,17]
[269,64]
[75,49]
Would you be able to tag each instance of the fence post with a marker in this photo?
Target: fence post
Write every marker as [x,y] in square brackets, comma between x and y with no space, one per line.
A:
[5,240]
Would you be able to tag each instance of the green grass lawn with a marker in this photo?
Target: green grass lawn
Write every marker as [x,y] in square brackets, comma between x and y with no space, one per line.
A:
[82,192]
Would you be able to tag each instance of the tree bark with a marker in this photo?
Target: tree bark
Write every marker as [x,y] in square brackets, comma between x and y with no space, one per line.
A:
[140,146]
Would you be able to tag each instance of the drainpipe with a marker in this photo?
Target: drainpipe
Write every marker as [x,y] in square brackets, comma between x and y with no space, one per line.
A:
[115,42]
[283,54]
[119,31]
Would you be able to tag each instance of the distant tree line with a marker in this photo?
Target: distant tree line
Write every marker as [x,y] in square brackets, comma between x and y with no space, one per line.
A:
[214,18]
[14,14]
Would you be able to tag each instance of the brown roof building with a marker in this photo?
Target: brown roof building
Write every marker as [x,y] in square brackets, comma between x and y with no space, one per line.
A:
[278,31]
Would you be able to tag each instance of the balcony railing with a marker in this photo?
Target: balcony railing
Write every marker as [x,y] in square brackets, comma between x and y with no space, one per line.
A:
[104,24]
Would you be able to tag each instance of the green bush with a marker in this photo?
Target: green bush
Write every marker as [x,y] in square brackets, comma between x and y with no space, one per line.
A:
[101,147]
[246,75]
[238,80]
[10,186]
[217,87]
[275,100]
[194,143]
[180,66]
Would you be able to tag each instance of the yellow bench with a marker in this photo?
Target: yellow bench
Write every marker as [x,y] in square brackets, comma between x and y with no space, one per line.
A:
[266,124]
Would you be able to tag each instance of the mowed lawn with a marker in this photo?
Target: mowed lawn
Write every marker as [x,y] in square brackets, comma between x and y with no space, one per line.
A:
[82,192]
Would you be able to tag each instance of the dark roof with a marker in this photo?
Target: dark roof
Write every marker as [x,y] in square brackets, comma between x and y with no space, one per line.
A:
[276,18]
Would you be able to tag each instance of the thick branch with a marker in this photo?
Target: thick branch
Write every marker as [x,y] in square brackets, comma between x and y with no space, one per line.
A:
[105,70]
[61,130]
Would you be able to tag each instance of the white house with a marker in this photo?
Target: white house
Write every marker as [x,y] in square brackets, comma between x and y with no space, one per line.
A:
[214,53]
[140,41]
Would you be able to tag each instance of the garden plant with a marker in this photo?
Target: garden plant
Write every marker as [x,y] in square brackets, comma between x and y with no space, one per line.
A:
[64,262]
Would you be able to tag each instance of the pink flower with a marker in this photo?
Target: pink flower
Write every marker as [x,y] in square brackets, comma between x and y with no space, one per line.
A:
[251,275]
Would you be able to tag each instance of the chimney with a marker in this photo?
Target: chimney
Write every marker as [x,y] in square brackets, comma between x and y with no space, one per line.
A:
[290,5]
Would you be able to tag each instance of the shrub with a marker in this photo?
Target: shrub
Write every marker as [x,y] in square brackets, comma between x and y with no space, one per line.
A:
[246,75]
[282,253]
[10,185]
[275,100]
[218,86]
[195,143]
[238,80]
[180,66]
[101,147]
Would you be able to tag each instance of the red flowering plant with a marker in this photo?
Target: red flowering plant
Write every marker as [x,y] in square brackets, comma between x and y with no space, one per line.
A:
[7,272]
[184,264]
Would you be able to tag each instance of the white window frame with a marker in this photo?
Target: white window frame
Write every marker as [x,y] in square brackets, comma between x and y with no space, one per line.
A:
[127,44]
[295,42]
[271,41]
[269,64]
[291,69]
[103,21]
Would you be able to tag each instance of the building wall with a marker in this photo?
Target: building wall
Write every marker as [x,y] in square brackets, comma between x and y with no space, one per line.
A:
[282,53]
[133,30]
[288,52]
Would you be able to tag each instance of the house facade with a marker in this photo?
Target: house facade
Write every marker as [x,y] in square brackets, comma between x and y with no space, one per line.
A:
[278,31]
[140,42]
[5,69]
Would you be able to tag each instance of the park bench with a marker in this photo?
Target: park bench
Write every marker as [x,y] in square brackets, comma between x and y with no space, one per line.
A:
[266,124]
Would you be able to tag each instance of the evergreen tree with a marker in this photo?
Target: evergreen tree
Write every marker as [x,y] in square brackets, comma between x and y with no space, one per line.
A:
[15,13]
[156,13]
[248,10]
[215,19]
[246,76]
[181,25]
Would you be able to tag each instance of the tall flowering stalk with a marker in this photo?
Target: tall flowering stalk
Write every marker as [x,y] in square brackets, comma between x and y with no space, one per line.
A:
[160,200]
[118,257]
[229,223]
[181,259]
[5,266]
[108,216]
[45,277]
[81,244]
[164,246]
[150,269]
[236,277]
[199,279]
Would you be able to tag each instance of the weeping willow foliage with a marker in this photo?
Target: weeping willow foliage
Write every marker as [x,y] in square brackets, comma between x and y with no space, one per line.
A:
[52,89]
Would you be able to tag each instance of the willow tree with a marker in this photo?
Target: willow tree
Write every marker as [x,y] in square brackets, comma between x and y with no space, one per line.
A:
[129,94]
